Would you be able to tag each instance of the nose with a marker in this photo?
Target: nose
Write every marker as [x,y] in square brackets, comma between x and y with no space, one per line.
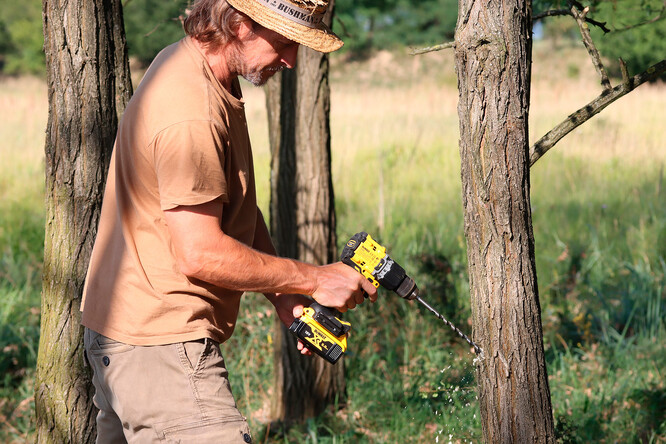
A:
[289,55]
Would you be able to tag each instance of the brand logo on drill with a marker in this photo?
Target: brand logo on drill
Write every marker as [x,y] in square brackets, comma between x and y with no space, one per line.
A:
[319,340]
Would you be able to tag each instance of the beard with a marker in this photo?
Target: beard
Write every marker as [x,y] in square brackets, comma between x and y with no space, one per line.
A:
[256,76]
[259,78]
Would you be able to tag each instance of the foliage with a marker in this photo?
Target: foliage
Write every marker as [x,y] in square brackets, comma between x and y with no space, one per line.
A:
[637,30]
[151,25]
[639,43]
[376,24]
[21,38]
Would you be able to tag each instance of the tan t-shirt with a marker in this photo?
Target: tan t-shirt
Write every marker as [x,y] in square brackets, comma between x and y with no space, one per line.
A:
[183,140]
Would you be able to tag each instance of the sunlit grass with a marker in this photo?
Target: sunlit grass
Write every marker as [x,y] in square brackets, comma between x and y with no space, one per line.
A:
[600,229]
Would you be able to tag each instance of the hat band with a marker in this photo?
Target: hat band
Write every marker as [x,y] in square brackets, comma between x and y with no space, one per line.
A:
[294,13]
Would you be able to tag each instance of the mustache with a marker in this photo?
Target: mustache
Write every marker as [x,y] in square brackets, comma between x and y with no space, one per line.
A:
[275,68]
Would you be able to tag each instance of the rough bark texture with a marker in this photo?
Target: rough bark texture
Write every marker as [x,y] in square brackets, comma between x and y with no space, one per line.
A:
[493,56]
[302,221]
[89,85]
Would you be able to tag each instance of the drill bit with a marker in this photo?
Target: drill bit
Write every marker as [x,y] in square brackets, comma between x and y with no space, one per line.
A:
[477,349]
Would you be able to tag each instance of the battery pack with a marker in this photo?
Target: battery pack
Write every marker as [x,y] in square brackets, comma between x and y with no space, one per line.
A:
[322,332]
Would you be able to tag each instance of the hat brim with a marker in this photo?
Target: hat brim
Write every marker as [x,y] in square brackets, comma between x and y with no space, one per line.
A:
[320,39]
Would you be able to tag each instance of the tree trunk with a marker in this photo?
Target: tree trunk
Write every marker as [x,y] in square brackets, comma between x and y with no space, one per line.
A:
[302,221]
[89,85]
[493,57]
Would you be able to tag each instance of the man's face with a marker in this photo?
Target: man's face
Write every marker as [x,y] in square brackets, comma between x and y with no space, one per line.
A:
[262,53]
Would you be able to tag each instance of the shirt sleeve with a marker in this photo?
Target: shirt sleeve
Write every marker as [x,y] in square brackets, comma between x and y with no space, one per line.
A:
[189,159]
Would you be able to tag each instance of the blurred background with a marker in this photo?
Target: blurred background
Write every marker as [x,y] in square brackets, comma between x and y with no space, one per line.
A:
[598,201]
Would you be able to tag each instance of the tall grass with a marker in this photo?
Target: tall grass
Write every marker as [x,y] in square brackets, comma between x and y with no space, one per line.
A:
[22,121]
[600,229]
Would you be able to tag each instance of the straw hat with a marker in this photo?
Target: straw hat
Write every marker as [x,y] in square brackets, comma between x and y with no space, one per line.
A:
[298,20]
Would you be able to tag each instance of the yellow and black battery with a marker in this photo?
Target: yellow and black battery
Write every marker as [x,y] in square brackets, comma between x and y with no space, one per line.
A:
[322,331]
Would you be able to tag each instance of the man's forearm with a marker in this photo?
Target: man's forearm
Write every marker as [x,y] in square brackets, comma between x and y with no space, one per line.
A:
[206,253]
[228,263]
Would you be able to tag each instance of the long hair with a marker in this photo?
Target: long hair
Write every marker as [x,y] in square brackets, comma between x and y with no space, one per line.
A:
[213,22]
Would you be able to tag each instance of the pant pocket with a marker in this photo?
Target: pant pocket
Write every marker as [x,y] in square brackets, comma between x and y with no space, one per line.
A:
[222,429]
[193,353]
[101,345]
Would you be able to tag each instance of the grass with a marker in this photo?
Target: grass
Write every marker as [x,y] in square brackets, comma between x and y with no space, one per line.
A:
[599,211]
[23,115]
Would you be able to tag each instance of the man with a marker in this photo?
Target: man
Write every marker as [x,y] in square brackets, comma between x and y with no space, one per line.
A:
[180,236]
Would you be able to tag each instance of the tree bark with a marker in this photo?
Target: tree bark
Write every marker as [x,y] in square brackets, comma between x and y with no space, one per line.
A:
[493,57]
[302,220]
[89,85]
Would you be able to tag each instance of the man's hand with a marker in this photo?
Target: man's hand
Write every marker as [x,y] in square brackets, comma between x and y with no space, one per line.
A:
[341,287]
[289,307]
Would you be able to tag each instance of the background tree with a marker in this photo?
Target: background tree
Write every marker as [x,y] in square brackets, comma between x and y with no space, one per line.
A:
[89,85]
[302,220]
[493,55]
[493,60]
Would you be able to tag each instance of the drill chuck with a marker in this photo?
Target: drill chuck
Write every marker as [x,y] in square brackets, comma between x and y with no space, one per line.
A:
[408,289]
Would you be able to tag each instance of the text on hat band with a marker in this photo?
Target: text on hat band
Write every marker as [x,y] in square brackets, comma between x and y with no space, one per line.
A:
[294,13]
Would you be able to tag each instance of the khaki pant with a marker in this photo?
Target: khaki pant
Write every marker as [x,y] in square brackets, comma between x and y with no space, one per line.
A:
[175,393]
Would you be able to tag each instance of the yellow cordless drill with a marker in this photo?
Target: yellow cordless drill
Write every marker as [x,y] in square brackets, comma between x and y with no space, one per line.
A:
[324,333]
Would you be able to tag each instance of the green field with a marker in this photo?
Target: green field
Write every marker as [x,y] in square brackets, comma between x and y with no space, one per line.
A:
[599,208]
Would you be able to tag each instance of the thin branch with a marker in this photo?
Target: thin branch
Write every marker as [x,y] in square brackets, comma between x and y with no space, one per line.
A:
[550,13]
[661,15]
[625,71]
[594,107]
[561,12]
[589,44]
[439,47]
[345,33]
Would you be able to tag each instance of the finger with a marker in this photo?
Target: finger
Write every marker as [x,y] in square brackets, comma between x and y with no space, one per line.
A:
[297,311]
[302,348]
[359,298]
[370,289]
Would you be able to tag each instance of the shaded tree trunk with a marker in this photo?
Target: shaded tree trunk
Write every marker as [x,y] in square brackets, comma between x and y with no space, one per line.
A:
[493,58]
[89,85]
[302,221]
